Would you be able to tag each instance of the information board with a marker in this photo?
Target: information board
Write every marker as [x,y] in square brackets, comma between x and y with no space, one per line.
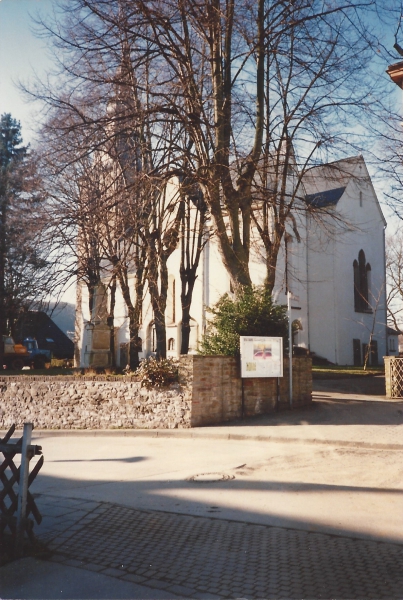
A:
[261,356]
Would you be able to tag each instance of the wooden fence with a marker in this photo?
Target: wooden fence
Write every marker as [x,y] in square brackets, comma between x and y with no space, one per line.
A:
[16,506]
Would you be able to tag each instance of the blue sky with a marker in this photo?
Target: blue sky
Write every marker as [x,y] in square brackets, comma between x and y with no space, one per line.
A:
[21,54]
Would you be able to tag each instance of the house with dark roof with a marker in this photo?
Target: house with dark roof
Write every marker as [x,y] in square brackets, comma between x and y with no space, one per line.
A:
[38,325]
[325,198]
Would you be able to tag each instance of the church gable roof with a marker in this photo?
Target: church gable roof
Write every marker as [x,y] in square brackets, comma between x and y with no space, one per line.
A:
[325,198]
[323,183]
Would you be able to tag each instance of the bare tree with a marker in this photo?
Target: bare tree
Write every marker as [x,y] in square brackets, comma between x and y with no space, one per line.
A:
[374,304]
[394,280]
[246,93]
[91,217]
[261,87]
[312,103]
[193,237]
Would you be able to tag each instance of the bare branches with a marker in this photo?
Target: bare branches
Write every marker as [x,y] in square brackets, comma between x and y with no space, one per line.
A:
[240,98]
[394,279]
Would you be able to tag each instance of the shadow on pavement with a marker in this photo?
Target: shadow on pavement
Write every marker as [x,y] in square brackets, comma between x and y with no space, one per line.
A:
[370,385]
[173,495]
[130,459]
[329,410]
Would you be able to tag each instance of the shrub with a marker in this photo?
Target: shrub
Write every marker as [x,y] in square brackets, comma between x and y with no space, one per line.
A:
[157,373]
[252,312]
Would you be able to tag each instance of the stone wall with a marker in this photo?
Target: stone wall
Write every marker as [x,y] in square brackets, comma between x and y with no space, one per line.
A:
[210,391]
[76,403]
[219,394]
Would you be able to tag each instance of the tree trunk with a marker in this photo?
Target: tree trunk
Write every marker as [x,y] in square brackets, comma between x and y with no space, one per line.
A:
[368,352]
[192,243]
[188,279]
[234,255]
[185,329]
[133,341]
[134,313]
[271,268]
[3,320]
[158,301]
[157,273]
[78,324]
[161,334]
[111,322]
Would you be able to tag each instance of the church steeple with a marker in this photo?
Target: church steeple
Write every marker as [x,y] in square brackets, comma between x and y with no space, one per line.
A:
[123,112]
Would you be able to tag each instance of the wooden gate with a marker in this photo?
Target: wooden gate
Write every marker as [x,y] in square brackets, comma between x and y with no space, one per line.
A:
[394,376]
[16,506]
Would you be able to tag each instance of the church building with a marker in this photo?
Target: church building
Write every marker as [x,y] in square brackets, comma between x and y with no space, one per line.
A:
[334,269]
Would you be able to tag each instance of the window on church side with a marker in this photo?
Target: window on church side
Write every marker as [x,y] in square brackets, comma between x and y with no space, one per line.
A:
[171,344]
[362,280]
[171,300]
[153,339]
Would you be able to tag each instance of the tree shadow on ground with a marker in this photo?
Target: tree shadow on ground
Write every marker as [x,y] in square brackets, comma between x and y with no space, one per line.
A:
[327,410]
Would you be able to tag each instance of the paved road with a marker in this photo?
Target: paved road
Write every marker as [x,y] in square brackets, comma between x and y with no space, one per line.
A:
[198,557]
[309,506]
[335,468]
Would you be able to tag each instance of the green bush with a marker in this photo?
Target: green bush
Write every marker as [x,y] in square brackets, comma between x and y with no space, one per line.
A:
[157,373]
[252,312]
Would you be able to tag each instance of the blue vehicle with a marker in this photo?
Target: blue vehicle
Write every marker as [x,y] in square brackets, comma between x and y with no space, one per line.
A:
[38,356]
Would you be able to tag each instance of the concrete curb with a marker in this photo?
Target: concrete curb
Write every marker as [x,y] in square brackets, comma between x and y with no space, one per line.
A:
[203,434]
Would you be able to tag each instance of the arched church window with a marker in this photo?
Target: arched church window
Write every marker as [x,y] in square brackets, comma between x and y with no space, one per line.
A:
[171,300]
[153,339]
[171,344]
[362,280]
[139,344]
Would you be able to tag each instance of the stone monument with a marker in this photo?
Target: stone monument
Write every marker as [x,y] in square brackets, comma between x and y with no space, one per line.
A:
[98,330]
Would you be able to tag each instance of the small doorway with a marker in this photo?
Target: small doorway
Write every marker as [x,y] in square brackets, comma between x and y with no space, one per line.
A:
[373,353]
[357,353]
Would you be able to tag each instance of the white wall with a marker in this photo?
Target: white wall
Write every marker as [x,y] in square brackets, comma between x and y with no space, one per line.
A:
[359,226]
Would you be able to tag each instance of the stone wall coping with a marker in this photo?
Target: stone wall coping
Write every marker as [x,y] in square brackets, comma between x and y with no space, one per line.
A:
[69,378]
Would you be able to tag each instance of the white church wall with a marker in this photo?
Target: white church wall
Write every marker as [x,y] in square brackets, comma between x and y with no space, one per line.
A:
[322,294]
[359,225]
[359,206]
[297,279]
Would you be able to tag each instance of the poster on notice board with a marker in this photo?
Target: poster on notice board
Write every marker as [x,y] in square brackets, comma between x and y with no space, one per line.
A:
[261,356]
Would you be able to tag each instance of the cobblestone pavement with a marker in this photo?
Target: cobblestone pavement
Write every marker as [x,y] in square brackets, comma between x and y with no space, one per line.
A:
[198,557]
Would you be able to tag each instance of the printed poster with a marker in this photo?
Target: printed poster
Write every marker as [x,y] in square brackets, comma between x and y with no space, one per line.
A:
[261,356]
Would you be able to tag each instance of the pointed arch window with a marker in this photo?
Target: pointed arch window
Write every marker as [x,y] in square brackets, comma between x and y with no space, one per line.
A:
[171,300]
[362,281]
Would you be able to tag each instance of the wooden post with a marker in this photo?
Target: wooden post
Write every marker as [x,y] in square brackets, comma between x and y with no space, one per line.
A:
[278,393]
[242,400]
[23,488]
[289,345]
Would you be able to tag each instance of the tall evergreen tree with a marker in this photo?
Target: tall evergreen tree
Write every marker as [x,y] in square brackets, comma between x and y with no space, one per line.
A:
[27,273]
[11,152]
